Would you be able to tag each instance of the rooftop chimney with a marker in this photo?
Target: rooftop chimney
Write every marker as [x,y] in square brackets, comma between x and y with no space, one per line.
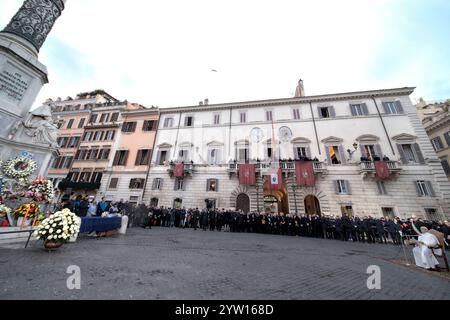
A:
[300,90]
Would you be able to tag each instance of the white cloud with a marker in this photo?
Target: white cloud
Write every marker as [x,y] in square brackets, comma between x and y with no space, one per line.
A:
[161,52]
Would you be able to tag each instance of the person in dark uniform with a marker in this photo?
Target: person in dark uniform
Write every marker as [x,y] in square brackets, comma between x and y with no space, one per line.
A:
[380,227]
[204,219]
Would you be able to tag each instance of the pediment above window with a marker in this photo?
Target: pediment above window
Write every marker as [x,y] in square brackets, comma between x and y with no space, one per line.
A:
[269,141]
[404,138]
[332,140]
[165,145]
[242,142]
[186,145]
[367,138]
[214,143]
[300,140]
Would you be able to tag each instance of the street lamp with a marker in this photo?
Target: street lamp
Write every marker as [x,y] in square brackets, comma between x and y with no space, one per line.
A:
[294,189]
[257,197]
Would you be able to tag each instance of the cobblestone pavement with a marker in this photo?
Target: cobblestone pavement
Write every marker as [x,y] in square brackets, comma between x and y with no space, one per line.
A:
[166,263]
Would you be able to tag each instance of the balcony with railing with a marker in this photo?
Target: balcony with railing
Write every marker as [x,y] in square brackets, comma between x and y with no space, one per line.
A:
[368,167]
[286,166]
[189,168]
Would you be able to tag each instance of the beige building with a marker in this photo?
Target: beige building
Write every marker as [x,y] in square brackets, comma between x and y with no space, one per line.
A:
[436,121]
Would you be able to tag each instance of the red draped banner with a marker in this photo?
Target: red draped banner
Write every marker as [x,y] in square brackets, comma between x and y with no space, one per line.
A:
[179,170]
[382,170]
[247,174]
[304,173]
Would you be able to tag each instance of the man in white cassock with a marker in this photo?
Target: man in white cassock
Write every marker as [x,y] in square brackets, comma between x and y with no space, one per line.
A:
[423,255]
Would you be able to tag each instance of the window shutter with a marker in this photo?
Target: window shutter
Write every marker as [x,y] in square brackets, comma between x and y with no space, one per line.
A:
[207,184]
[347,186]
[320,113]
[184,185]
[416,184]
[158,157]
[401,153]
[175,185]
[399,107]
[133,126]
[154,184]
[161,182]
[77,155]
[327,152]
[342,154]
[332,112]
[138,158]
[362,149]
[352,110]
[364,108]
[116,158]
[336,186]
[154,125]
[295,153]
[447,138]
[430,188]
[209,158]
[308,152]
[446,167]
[378,150]
[418,153]
[217,185]
[386,108]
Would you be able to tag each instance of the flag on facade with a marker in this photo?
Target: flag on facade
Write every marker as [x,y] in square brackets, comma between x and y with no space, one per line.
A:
[275,179]
[247,174]
[304,173]
[179,170]
[381,169]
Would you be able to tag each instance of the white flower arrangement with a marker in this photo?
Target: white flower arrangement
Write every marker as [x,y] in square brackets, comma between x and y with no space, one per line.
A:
[41,190]
[19,167]
[4,210]
[58,227]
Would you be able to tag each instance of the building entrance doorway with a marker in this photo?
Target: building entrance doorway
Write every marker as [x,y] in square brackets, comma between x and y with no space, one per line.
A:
[312,205]
[243,203]
[275,201]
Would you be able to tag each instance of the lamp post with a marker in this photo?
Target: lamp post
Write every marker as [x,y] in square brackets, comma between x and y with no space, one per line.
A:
[294,189]
[257,196]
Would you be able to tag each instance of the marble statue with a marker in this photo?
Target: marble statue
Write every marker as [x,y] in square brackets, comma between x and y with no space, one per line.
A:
[40,126]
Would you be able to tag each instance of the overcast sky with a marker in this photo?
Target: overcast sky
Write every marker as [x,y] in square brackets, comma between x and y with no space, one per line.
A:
[162,52]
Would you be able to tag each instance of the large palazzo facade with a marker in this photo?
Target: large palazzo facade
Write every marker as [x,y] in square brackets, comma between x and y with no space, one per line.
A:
[343,133]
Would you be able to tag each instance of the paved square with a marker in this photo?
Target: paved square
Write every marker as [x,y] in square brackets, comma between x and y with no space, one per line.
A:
[164,263]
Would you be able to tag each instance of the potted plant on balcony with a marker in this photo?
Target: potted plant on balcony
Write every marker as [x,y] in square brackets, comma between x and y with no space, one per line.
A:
[57,229]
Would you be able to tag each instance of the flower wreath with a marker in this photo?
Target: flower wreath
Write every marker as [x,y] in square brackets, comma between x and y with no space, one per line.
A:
[10,167]
[41,189]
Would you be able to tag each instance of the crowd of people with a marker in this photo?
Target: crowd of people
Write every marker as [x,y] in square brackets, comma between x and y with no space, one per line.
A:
[84,206]
[345,228]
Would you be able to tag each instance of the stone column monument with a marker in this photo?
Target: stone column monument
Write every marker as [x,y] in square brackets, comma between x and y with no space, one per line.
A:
[21,78]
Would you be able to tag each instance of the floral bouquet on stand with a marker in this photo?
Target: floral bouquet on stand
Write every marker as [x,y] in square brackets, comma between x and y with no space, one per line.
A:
[4,211]
[41,189]
[26,212]
[57,229]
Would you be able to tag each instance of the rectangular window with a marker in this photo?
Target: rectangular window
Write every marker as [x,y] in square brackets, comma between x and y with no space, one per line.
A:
[93,118]
[431,214]
[335,156]
[342,187]
[409,153]
[114,117]
[143,157]
[324,112]
[217,118]
[70,124]
[381,188]
[300,152]
[121,158]
[393,107]
[370,151]
[168,122]
[81,154]
[85,176]
[129,127]
[214,156]
[137,183]
[104,117]
[357,110]
[242,154]
[179,184]
[73,142]
[149,125]
[75,176]
[109,136]
[96,177]
[113,183]
[134,199]
[437,144]
[98,135]
[162,157]
[243,117]
[183,155]
[81,123]
[188,121]
[269,115]
[296,113]
[424,188]
[212,185]
[388,212]
[63,142]
[446,167]
[104,154]
[157,184]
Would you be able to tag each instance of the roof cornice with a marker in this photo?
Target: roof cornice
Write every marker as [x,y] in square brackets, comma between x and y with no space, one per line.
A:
[406,91]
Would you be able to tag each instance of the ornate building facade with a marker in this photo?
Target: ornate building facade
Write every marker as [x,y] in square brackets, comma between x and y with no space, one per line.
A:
[342,133]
